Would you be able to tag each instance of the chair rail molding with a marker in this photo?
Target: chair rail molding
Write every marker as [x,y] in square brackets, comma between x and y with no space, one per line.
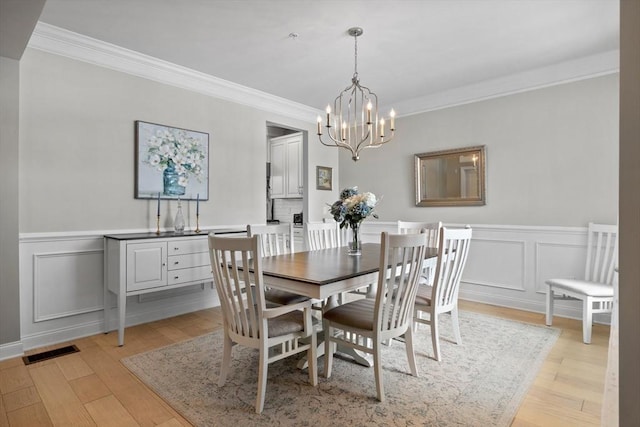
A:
[62,291]
[507,266]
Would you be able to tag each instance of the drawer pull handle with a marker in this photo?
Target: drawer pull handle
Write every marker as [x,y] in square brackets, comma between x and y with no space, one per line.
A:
[176,249]
[176,277]
[176,263]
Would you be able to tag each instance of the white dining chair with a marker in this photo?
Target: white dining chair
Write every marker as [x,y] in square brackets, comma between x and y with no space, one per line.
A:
[365,323]
[276,332]
[596,288]
[323,235]
[442,297]
[432,229]
[276,239]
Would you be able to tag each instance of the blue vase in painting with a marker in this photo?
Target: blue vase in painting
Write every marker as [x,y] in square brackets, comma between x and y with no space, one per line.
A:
[171,180]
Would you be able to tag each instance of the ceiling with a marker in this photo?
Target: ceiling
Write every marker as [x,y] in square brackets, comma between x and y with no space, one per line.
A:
[410,49]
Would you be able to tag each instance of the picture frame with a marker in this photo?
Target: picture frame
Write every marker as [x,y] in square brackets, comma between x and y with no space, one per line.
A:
[324,178]
[170,162]
[455,177]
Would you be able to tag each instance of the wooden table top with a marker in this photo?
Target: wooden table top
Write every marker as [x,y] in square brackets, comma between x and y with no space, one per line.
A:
[324,266]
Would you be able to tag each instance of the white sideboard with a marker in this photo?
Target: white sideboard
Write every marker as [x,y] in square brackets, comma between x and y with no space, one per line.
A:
[141,263]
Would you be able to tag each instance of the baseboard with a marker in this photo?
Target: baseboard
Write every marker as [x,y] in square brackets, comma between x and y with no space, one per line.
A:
[86,329]
[11,350]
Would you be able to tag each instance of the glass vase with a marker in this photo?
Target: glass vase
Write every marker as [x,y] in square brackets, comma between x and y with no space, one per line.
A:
[178,223]
[171,181]
[355,245]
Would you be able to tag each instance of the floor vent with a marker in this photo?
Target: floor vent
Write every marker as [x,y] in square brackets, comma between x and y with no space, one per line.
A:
[50,354]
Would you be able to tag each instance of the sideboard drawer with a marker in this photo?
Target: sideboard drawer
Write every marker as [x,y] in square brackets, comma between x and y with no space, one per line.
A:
[190,260]
[191,246]
[190,275]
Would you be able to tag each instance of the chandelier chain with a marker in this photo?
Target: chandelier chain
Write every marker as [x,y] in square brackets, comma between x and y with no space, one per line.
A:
[355,58]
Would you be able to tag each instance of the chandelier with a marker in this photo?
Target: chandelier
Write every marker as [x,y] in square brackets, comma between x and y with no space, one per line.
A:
[354,124]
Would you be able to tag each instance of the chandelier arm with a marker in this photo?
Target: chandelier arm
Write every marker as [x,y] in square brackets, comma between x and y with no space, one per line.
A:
[338,144]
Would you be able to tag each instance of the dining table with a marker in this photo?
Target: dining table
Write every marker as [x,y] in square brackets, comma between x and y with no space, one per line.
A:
[324,274]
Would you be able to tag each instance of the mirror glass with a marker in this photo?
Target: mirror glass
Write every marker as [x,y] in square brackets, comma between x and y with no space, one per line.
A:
[451,177]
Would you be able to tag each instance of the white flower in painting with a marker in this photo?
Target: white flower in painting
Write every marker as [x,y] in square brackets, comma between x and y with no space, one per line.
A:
[176,148]
[183,181]
[154,160]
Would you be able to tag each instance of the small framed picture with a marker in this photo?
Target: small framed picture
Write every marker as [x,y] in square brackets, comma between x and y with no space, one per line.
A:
[324,178]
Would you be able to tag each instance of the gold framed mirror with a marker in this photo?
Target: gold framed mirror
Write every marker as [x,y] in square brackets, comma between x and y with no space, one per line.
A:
[451,177]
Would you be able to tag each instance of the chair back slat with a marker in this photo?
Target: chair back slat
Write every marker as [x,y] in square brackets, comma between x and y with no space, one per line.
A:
[275,239]
[452,257]
[241,292]
[401,258]
[323,235]
[432,230]
[602,253]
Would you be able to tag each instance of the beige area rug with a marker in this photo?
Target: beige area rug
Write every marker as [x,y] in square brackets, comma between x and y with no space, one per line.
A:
[479,383]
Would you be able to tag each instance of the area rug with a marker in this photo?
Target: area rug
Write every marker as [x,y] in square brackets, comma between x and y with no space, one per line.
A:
[478,383]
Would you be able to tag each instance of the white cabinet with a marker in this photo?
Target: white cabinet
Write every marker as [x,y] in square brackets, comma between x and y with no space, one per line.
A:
[146,265]
[141,263]
[286,166]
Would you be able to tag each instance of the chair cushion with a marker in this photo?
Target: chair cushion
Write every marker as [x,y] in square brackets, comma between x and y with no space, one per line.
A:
[423,296]
[286,324]
[593,289]
[357,314]
[279,297]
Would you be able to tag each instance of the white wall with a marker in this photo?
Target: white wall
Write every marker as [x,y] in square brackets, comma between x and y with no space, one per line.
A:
[552,157]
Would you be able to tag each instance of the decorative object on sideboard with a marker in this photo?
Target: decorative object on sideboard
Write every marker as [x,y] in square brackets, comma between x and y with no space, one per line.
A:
[355,124]
[178,222]
[172,161]
[324,178]
[197,230]
[158,216]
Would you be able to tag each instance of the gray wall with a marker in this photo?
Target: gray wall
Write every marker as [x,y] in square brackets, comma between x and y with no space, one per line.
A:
[552,157]
[77,148]
[9,137]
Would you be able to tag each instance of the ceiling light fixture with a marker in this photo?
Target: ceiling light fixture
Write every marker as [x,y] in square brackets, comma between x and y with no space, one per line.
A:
[353,124]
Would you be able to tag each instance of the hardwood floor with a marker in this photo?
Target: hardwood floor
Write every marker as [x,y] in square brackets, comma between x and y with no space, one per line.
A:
[93,388]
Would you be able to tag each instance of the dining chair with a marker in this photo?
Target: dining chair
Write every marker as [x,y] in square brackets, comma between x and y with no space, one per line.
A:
[365,323]
[276,239]
[432,229]
[276,332]
[442,297]
[323,235]
[596,288]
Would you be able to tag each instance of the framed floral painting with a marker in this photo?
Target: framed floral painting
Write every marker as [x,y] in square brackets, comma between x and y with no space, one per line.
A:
[171,162]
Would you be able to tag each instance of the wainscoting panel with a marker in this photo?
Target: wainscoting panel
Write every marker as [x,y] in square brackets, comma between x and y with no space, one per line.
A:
[508,264]
[61,277]
[61,291]
[66,284]
[505,268]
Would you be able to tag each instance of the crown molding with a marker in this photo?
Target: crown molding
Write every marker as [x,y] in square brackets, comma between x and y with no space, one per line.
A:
[66,43]
[59,41]
[538,78]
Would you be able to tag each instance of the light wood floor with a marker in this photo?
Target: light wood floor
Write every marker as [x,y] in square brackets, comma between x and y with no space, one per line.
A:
[93,388]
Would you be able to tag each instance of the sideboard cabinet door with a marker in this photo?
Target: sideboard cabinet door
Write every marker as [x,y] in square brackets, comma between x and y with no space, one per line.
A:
[146,265]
